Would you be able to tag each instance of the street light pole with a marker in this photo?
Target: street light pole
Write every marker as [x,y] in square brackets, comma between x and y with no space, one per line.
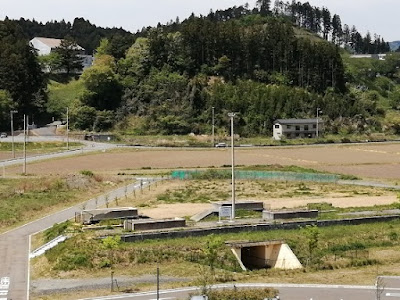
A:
[317,132]
[67,128]
[232,116]
[158,282]
[24,165]
[12,131]
[213,127]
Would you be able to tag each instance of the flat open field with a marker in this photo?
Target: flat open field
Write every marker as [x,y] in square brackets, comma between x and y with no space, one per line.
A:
[381,161]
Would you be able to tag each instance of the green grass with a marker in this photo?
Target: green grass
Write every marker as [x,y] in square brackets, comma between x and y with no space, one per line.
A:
[190,141]
[63,95]
[22,198]
[25,199]
[38,146]
[331,241]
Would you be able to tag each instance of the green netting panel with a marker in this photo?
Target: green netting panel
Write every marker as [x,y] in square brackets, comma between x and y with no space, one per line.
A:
[265,175]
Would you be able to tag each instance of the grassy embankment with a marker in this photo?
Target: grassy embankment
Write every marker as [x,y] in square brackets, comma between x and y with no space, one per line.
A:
[340,255]
[341,252]
[26,199]
[39,147]
[206,141]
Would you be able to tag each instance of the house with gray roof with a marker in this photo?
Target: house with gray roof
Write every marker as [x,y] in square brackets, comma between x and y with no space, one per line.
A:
[297,128]
[45,46]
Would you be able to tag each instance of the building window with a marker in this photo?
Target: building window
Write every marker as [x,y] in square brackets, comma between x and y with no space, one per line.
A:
[277,126]
[306,127]
[297,134]
[288,126]
[297,128]
[314,126]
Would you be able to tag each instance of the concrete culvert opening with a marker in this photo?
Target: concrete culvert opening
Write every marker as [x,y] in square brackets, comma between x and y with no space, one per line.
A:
[264,255]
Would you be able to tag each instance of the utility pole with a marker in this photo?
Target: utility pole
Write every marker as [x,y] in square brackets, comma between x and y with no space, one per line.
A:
[213,127]
[317,132]
[24,165]
[12,131]
[158,282]
[67,128]
[232,116]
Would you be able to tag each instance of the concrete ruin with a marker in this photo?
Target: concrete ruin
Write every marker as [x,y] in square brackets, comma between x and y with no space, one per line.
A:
[293,214]
[151,224]
[262,255]
[97,215]
[214,211]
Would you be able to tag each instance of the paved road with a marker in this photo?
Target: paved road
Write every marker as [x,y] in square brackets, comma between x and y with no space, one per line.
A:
[286,292]
[15,244]
[86,148]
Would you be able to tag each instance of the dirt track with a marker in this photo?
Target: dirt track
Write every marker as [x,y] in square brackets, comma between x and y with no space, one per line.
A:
[367,160]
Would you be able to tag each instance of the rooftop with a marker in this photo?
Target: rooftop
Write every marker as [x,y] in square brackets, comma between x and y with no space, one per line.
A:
[54,43]
[297,121]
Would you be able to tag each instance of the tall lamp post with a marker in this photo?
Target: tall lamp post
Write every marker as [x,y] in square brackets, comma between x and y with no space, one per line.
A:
[12,131]
[213,126]
[232,116]
[318,112]
[25,130]
[67,128]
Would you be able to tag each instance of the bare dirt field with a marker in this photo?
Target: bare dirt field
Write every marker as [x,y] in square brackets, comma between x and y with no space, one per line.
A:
[187,198]
[364,160]
[189,209]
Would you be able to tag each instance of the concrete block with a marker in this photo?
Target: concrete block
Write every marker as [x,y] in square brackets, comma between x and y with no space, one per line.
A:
[296,214]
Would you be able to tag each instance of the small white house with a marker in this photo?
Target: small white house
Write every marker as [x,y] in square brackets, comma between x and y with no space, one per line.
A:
[45,46]
[297,128]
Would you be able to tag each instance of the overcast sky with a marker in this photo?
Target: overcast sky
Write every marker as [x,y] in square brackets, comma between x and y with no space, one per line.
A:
[377,16]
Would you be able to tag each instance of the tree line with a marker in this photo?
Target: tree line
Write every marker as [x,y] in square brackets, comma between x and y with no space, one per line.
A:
[252,61]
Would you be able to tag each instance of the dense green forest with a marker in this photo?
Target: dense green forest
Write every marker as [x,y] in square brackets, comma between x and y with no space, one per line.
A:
[263,62]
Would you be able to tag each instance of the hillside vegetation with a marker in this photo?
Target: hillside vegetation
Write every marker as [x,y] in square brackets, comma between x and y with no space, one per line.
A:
[264,63]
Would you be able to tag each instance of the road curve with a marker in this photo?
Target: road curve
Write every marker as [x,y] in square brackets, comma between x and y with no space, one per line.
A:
[286,292]
[15,244]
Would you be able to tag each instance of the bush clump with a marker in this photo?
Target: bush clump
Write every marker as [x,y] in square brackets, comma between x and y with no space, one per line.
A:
[87,173]
[243,294]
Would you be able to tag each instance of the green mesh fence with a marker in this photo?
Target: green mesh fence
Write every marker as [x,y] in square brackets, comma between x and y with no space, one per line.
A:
[262,175]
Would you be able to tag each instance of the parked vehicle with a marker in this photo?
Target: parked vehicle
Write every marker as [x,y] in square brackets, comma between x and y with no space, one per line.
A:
[3,135]
[220,145]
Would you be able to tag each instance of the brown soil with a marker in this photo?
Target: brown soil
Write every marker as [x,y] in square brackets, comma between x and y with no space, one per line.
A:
[376,161]
[189,209]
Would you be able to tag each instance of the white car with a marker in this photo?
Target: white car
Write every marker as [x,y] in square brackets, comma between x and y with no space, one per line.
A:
[3,135]
[220,145]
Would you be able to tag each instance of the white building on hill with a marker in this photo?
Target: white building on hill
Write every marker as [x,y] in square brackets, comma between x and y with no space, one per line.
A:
[297,128]
[45,46]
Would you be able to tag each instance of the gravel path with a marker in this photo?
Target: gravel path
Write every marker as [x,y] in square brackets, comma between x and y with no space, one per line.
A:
[54,286]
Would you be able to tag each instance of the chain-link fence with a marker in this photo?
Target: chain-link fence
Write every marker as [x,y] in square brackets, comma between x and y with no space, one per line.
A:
[254,175]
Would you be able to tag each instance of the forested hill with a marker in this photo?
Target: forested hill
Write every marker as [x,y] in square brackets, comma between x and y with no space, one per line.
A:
[264,63]
[314,19]
[86,34]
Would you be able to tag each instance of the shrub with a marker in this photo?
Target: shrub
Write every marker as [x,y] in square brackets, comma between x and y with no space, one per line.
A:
[87,173]
[73,261]
[56,230]
[242,294]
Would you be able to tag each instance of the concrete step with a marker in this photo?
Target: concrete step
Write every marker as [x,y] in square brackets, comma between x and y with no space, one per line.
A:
[204,214]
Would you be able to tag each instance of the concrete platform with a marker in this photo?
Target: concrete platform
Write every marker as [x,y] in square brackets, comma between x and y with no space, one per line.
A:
[246,205]
[151,224]
[97,215]
[294,214]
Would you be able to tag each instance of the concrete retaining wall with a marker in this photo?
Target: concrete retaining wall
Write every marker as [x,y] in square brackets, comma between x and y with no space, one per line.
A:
[252,228]
[277,215]
[246,205]
[153,224]
[96,215]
